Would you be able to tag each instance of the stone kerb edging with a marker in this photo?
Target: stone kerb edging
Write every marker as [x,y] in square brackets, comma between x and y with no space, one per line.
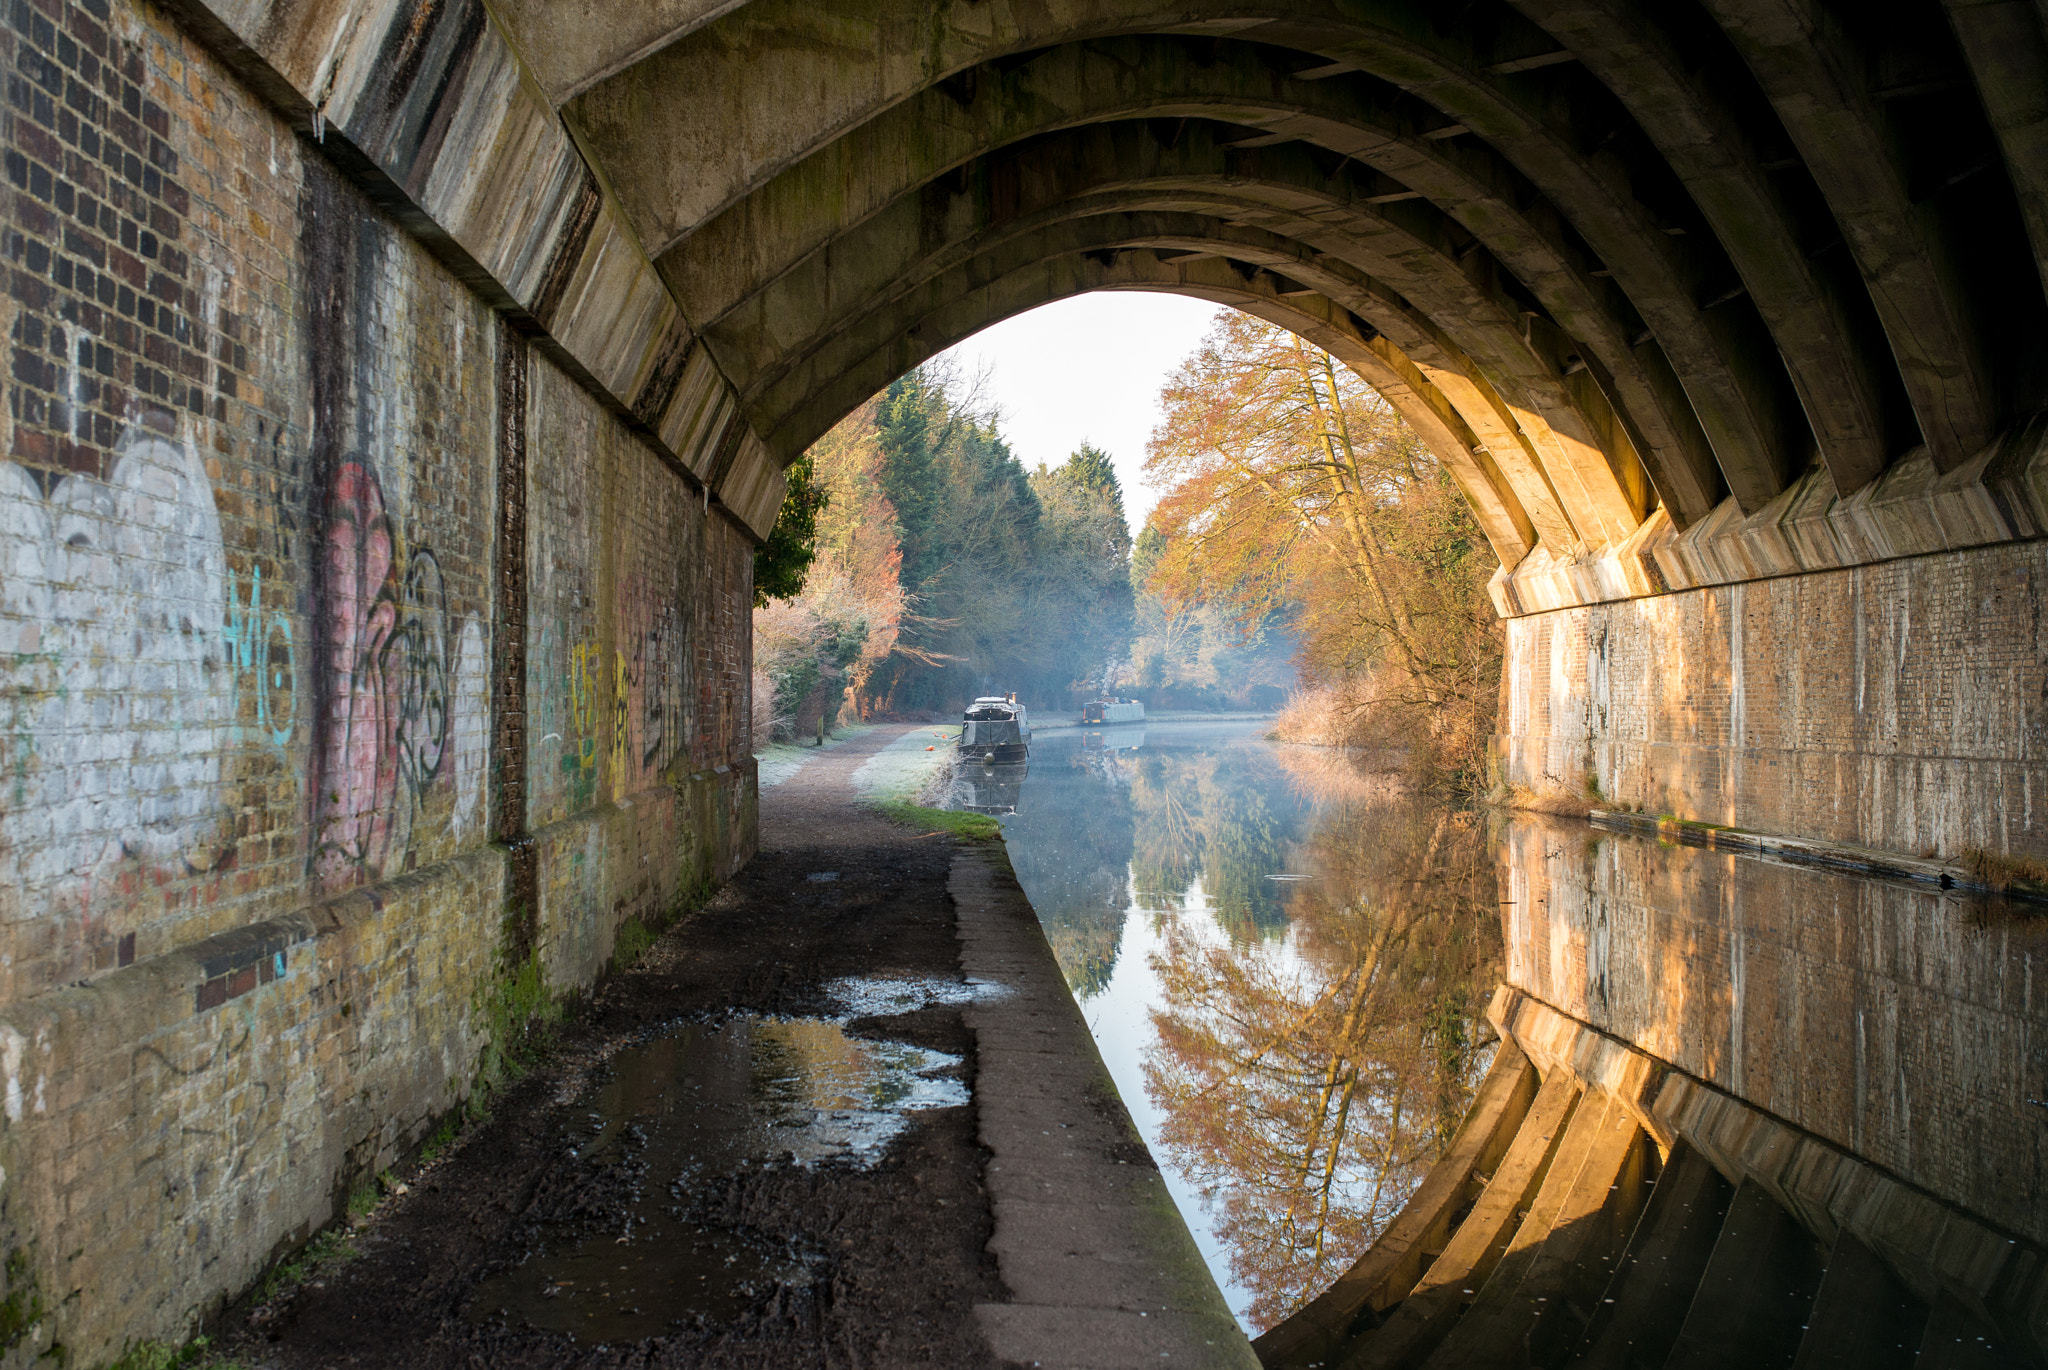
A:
[2000,495]
[449,132]
[1932,1246]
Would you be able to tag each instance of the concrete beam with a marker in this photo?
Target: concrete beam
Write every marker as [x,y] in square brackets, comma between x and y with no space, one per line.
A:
[707,120]
[2006,44]
[1515,437]
[899,155]
[1501,516]
[1568,421]
[1819,82]
[1839,367]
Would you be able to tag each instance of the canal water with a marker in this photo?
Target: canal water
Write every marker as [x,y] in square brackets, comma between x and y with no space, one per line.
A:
[1286,965]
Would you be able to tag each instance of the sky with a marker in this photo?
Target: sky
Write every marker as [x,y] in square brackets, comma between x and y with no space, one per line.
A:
[1087,369]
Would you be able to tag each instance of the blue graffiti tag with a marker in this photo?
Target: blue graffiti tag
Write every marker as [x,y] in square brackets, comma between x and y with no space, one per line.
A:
[260,647]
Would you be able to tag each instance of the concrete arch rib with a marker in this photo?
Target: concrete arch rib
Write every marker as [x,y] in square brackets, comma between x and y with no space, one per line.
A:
[901,155]
[2006,46]
[1499,512]
[1510,436]
[688,132]
[1818,86]
[1413,292]
[1839,370]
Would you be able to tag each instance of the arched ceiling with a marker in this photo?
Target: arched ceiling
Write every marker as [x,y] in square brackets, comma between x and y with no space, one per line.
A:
[1603,254]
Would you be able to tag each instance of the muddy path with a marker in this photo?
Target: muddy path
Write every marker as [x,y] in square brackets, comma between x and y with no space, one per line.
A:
[864,1259]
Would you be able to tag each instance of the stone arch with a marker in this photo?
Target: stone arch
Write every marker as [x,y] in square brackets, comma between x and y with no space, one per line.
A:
[843,382]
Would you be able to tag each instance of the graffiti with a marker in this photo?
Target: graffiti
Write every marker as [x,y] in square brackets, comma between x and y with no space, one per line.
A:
[420,645]
[651,688]
[259,652]
[383,627]
[621,719]
[119,696]
[471,724]
[579,760]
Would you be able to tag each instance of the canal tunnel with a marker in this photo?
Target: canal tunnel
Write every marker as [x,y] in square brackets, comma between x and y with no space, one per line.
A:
[397,392]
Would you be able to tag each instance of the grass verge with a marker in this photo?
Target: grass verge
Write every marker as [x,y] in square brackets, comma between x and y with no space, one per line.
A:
[968,827]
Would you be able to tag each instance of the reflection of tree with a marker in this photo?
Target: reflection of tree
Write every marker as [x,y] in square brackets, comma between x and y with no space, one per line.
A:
[1307,1087]
[1243,848]
[1167,853]
[1073,856]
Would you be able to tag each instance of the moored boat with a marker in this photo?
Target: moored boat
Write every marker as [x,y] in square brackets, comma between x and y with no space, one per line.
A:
[996,728]
[1112,710]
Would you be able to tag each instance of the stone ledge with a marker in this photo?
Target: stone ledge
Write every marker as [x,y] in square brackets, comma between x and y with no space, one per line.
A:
[1128,1285]
[2000,495]
[1829,855]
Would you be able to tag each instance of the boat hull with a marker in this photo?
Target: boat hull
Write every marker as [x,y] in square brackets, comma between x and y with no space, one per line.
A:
[1001,753]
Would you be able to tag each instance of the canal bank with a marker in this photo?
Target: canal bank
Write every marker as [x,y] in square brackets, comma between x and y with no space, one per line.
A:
[750,1147]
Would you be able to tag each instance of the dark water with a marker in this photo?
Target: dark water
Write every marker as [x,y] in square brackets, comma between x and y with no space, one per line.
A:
[1285,965]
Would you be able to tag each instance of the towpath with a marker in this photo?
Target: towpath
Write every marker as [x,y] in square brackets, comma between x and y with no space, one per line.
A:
[1028,1227]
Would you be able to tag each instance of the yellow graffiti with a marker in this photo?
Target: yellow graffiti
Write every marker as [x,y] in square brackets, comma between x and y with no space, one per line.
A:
[585,666]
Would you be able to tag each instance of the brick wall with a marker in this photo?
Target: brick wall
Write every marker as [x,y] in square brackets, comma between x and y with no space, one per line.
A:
[1901,706]
[283,802]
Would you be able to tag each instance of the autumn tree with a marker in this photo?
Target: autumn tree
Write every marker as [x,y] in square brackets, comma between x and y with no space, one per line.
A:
[1294,492]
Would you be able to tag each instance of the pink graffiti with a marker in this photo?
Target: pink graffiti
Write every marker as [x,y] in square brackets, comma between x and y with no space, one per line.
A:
[358,761]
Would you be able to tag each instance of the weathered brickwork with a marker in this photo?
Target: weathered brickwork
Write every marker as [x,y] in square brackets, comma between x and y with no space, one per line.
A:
[265,652]
[640,598]
[1901,706]
[1879,1016]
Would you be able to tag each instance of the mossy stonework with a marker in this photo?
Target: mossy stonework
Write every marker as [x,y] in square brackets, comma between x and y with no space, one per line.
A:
[273,905]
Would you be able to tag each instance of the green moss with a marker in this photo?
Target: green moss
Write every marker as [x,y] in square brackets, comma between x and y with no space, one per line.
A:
[23,1306]
[516,1012]
[440,1140]
[331,1248]
[632,943]
[154,1355]
[969,827]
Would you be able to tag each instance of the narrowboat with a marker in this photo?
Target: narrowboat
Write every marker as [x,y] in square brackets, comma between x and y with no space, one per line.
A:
[996,729]
[1112,710]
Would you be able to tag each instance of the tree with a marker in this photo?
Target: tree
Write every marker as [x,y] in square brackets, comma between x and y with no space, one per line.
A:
[970,574]
[781,563]
[1084,566]
[1296,494]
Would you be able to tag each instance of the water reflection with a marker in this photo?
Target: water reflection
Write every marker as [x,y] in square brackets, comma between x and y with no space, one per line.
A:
[1284,963]
[987,789]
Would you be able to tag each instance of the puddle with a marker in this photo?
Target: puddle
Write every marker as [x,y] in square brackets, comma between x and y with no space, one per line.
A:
[701,1103]
[877,998]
